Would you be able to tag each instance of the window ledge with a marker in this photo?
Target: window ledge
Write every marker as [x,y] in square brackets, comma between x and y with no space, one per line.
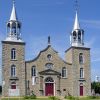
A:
[13,59]
[64,77]
[82,79]
[14,78]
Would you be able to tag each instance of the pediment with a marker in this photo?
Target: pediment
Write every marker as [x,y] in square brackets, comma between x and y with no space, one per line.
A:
[49,72]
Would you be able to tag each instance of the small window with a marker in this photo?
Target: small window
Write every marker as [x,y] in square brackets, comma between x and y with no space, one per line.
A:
[74,36]
[49,79]
[13,85]
[64,72]
[81,73]
[81,58]
[13,53]
[49,57]
[33,71]
[49,65]
[79,36]
[13,71]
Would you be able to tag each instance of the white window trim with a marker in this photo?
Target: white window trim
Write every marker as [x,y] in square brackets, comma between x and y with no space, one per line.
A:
[13,71]
[81,73]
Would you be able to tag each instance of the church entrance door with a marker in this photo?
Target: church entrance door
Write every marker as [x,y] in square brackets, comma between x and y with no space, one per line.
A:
[49,89]
[49,86]
[81,90]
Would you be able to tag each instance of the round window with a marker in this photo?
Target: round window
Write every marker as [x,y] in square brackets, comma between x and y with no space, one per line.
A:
[49,56]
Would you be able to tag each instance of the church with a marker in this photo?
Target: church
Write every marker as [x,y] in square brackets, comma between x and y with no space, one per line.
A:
[47,74]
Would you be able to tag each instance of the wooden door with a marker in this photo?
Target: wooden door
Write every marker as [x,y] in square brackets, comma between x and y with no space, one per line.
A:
[49,89]
[81,90]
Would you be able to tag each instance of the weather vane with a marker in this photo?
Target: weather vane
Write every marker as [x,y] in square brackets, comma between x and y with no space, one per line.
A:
[77,5]
[14,2]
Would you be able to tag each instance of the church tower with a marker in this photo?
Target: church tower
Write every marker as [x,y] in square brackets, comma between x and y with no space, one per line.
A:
[77,34]
[13,58]
[79,56]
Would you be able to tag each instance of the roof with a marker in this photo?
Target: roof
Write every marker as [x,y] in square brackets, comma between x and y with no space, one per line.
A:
[41,52]
[76,23]
[13,14]
[49,72]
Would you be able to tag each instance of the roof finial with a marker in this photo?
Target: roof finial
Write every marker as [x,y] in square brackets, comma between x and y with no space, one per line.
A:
[49,41]
[76,5]
[14,2]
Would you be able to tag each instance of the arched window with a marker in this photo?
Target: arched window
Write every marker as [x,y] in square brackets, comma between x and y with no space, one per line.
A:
[49,79]
[79,36]
[49,57]
[81,73]
[49,65]
[13,53]
[64,72]
[13,71]
[33,71]
[74,36]
[81,58]
[13,85]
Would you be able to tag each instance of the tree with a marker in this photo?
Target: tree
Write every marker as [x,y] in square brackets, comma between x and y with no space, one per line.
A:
[96,87]
[0,89]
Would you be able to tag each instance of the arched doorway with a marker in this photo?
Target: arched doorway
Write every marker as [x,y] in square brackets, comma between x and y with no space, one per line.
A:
[49,86]
[81,89]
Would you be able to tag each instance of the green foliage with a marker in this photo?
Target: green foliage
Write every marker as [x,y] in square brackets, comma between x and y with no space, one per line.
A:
[30,97]
[26,97]
[53,98]
[71,98]
[93,97]
[96,87]
[0,89]
[33,96]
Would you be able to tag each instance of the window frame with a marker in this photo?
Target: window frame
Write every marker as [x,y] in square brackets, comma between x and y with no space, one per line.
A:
[13,71]
[81,58]
[13,54]
[81,73]
[33,71]
[13,85]
[49,65]
[64,72]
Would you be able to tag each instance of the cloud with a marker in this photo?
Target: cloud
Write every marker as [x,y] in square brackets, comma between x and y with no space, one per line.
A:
[92,23]
[95,53]
[90,43]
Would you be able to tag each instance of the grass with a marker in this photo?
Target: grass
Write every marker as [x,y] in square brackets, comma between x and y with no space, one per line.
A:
[46,98]
[24,99]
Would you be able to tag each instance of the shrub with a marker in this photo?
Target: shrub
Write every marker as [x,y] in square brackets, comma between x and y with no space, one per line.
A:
[53,98]
[93,97]
[33,97]
[71,98]
[26,97]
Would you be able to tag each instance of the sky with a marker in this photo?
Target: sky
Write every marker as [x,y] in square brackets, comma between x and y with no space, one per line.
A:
[41,18]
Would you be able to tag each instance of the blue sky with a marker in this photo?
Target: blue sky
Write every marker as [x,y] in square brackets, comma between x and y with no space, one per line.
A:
[41,18]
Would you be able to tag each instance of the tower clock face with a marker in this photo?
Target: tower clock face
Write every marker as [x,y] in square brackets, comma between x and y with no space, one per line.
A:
[49,65]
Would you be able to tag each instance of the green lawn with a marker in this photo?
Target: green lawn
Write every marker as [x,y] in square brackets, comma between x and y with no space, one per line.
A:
[84,98]
[24,99]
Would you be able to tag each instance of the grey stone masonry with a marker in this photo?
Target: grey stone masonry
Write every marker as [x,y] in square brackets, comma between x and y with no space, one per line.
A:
[19,63]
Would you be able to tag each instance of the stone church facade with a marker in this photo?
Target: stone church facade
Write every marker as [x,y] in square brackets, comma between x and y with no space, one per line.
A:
[47,74]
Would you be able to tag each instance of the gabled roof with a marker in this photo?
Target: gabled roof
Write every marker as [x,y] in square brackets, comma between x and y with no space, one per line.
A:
[49,46]
[49,72]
